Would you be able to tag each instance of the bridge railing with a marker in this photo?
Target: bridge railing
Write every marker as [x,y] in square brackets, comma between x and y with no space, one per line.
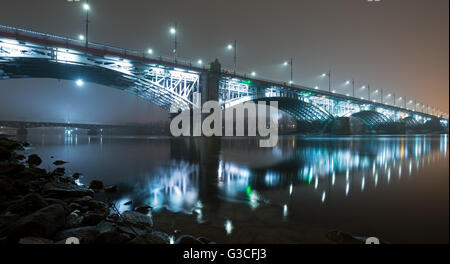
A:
[106,49]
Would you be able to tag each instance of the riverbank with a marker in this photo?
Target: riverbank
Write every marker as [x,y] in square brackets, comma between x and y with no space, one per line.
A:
[47,207]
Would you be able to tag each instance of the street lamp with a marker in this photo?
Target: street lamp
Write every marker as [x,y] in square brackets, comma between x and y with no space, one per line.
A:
[353,86]
[81,37]
[253,74]
[87,8]
[290,63]
[200,62]
[173,31]
[329,79]
[233,47]
[150,51]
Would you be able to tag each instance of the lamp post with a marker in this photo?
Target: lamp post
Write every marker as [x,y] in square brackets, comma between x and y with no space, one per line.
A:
[174,32]
[291,64]
[87,8]
[329,79]
[234,48]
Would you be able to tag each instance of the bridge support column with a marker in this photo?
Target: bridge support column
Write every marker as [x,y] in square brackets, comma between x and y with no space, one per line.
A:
[209,83]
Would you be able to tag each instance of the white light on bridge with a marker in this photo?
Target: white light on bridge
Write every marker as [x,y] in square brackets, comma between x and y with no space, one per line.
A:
[80,82]
[364,87]
[285,63]
[253,74]
[86,7]
[324,75]
[334,91]
[347,82]
[389,95]
[348,94]
[200,62]
[150,51]
[81,37]
[230,47]
[362,98]
[316,87]
[173,31]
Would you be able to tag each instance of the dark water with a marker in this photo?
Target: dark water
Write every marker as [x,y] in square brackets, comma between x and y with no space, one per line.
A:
[392,187]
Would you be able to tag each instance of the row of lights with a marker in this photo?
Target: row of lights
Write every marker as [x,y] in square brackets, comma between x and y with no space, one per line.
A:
[233,47]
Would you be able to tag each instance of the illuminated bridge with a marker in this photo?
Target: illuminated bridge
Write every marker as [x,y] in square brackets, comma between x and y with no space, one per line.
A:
[167,82]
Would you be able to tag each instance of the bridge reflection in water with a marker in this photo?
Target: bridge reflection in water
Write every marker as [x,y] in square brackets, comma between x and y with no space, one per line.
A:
[333,165]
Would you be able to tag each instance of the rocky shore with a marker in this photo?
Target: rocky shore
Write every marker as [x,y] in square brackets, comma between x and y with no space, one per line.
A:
[48,207]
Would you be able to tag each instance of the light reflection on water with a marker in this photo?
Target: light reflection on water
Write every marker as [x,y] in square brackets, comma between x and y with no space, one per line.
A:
[169,173]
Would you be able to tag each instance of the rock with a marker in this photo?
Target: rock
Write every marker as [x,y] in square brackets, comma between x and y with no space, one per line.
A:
[343,238]
[143,209]
[42,223]
[5,154]
[27,205]
[35,241]
[60,162]
[64,190]
[9,169]
[96,205]
[187,240]
[76,175]
[74,219]
[204,240]
[18,156]
[112,238]
[86,234]
[137,219]
[74,206]
[34,160]
[147,239]
[111,189]
[96,185]
[58,172]
[10,144]
[92,218]
[51,201]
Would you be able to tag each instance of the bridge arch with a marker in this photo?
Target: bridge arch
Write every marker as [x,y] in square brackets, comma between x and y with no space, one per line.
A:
[375,121]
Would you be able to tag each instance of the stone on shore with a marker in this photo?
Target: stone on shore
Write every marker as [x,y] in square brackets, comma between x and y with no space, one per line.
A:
[188,240]
[42,223]
[27,205]
[59,162]
[96,185]
[35,241]
[64,190]
[137,219]
[34,160]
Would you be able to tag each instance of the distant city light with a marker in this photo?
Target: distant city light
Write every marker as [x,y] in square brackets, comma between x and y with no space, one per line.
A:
[230,47]
[324,74]
[286,63]
[150,51]
[81,37]
[86,7]
[173,31]
[199,62]
[347,82]
[316,87]
[253,74]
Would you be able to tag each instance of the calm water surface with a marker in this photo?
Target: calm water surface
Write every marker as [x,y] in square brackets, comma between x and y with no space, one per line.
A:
[392,187]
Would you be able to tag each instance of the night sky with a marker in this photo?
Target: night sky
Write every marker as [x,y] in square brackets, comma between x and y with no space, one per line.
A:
[400,46]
